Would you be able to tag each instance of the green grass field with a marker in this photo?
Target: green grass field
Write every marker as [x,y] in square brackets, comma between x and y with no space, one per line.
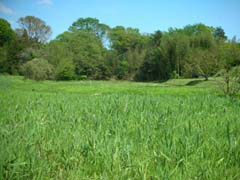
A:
[117,130]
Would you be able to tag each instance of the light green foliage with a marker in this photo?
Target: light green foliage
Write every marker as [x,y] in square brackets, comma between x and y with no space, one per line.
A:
[65,70]
[197,29]
[56,51]
[122,70]
[91,25]
[101,53]
[229,54]
[86,51]
[117,130]
[192,48]
[130,46]
[229,63]
[124,39]
[22,45]
[229,82]
[38,69]
[200,62]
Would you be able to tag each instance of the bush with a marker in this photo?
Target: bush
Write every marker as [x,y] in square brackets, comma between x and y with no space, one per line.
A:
[65,70]
[101,72]
[230,84]
[38,69]
[174,75]
[82,77]
[122,70]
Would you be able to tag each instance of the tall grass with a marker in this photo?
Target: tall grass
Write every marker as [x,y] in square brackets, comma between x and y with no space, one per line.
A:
[136,131]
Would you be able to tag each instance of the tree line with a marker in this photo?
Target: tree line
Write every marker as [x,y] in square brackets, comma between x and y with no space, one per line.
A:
[93,50]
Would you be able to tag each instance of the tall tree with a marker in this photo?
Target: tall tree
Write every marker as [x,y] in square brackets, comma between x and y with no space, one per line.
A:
[156,65]
[201,62]
[130,47]
[123,39]
[6,32]
[156,38]
[219,34]
[230,62]
[87,52]
[9,49]
[37,30]
[91,25]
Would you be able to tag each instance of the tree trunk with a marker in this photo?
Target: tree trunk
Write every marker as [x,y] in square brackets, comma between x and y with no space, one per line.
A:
[179,68]
[206,77]
[227,81]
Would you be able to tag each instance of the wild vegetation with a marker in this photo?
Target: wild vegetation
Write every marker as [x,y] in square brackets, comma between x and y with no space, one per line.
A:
[117,130]
[171,119]
[92,50]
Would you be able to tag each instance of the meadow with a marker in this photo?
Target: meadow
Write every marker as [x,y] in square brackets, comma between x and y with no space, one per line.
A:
[117,130]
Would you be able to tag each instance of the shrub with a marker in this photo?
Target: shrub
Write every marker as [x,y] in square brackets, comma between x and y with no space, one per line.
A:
[101,72]
[65,70]
[38,69]
[82,77]
[230,84]
[122,70]
[174,75]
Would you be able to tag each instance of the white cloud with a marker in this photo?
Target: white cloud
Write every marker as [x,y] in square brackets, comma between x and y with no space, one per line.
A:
[5,9]
[45,2]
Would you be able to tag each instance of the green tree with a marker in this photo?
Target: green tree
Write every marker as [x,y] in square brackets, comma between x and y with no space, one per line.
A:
[14,60]
[129,45]
[169,51]
[6,32]
[86,49]
[87,52]
[182,48]
[65,70]
[122,70]
[3,59]
[122,39]
[25,43]
[156,38]
[197,29]
[7,37]
[91,25]
[201,62]
[219,34]
[230,71]
[56,50]
[155,67]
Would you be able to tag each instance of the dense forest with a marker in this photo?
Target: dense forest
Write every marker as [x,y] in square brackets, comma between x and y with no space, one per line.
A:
[92,50]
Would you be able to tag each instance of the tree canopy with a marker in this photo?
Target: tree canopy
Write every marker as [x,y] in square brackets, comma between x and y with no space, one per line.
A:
[36,29]
[81,51]
[6,32]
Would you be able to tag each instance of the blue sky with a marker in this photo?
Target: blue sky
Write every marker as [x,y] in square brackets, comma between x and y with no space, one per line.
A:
[146,15]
